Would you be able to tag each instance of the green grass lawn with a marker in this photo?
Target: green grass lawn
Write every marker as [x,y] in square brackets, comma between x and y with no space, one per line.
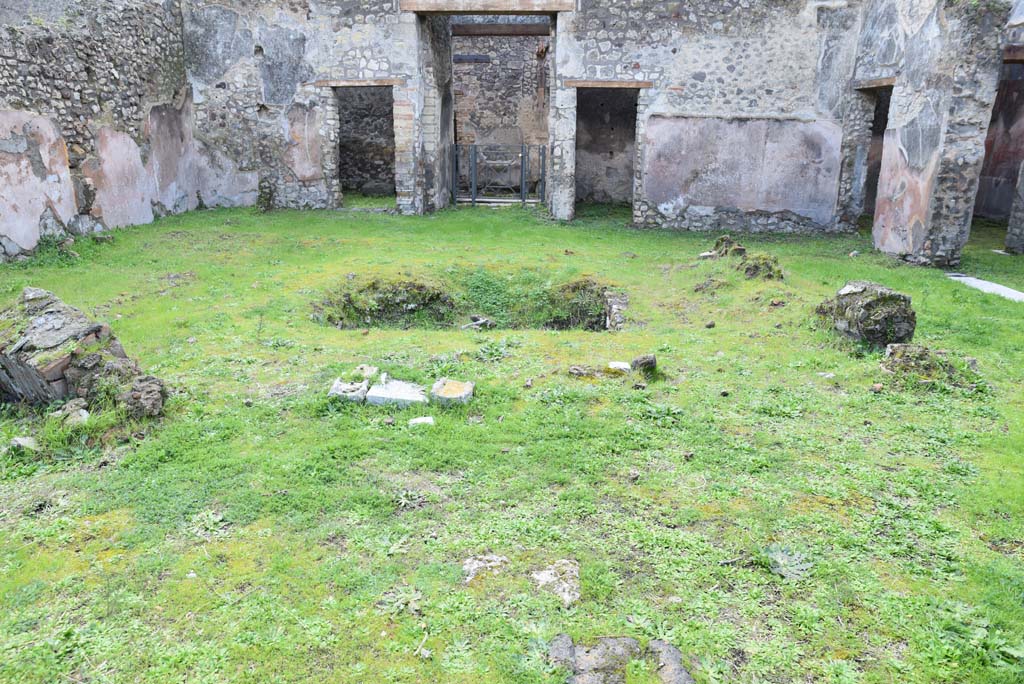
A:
[259,533]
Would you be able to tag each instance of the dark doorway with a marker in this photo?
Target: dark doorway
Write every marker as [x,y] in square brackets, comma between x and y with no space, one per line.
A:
[605,144]
[1004,148]
[366,141]
[880,121]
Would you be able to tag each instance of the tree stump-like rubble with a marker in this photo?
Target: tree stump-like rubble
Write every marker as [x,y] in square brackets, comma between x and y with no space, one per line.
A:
[50,351]
[871,313]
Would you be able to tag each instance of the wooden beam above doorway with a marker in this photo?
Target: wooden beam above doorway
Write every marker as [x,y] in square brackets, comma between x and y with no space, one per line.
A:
[487,6]
[531,29]
[608,84]
[1014,54]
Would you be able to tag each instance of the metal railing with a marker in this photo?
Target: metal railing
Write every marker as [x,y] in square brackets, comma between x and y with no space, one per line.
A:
[498,174]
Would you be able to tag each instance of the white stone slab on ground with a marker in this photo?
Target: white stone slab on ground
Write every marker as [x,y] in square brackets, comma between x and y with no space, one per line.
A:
[446,392]
[390,392]
[425,420]
[986,286]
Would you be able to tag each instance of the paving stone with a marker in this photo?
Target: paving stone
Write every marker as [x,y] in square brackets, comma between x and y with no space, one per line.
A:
[446,392]
[390,392]
[562,578]
[349,391]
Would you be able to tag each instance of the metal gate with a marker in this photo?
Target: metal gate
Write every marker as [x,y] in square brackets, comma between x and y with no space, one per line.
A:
[498,174]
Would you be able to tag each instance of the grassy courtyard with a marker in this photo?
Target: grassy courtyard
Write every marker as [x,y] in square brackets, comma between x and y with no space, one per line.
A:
[261,533]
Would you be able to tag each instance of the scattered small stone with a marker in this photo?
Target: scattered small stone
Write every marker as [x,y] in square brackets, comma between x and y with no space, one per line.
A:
[582,371]
[562,578]
[629,255]
[776,303]
[146,397]
[640,386]
[479,322]
[854,254]
[25,444]
[191,340]
[446,392]
[634,475]
[349,391]
[724,393]
[647,363]
[248,402]
[709,285]
[395,393]
[367,372]
[474,565]
[390,420]
[425,420]
[529,383]
[475,420]
[709,325]
[707,255]
[877,388]
[827,376]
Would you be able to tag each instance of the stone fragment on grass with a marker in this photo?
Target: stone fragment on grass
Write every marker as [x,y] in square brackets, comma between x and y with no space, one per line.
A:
[349,391]
[367,372]
[28,444]
[670,663]
[761,266]
[561,578]
[146,397]
[647,363]
[475,565]
[425,420]
[615,304]
[725,246]
[447,392]
[619,368]
[871,313]
[390,392]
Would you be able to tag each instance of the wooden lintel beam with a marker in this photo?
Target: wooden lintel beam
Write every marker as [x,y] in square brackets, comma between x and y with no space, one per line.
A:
[608,84]
[1014,54]
[332,83]
[530,29]
[872,83]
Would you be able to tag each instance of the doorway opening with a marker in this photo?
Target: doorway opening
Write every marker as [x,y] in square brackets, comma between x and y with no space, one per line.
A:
[366,145]
[605,144]
[501,68]
[999,185]
[880,121]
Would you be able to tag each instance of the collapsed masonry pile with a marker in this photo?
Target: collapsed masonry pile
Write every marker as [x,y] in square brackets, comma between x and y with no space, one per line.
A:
[50,351]
[871,313]
[754,266]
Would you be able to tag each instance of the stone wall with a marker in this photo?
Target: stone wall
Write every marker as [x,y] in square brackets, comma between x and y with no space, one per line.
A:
[1004,147]
[366,138]
[501,89]
[720,64]
[944,58]
[95,121]
[266,74]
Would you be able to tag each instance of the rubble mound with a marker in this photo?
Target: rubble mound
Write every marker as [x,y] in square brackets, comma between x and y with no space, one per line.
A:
[760,266]
[725,246]
[871,313]
[919,364]
[50,351]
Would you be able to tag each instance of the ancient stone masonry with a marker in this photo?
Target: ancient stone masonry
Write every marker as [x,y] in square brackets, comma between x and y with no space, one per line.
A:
[749,115]
[944,59]
[501,89]
[367,139]
[95,123]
